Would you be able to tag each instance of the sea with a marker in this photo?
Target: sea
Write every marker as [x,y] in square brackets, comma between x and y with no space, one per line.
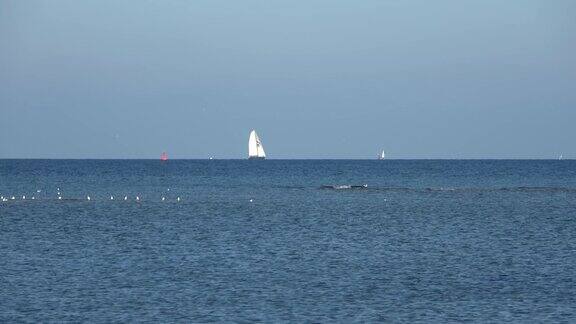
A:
[288,241]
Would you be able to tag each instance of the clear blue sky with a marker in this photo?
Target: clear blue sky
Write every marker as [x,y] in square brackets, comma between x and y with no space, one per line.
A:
[317,79]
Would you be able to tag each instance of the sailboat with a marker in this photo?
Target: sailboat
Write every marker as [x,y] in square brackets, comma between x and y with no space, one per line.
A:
[560,157]
[255,147]
[164,156]
[382,156]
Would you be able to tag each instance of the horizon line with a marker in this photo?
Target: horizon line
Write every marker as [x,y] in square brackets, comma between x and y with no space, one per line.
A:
[294,159]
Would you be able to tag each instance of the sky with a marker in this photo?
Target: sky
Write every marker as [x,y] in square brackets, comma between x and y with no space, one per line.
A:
[315,78]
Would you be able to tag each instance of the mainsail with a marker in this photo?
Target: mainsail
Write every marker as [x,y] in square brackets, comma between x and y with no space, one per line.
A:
[255,147]
[382,155]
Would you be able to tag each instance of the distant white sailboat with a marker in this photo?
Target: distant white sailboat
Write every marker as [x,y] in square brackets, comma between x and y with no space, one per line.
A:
[255,147]
[382,156]
[560,157]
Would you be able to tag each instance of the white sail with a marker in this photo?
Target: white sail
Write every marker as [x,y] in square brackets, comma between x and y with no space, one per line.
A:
[260,147]
[255,147]
[382,155]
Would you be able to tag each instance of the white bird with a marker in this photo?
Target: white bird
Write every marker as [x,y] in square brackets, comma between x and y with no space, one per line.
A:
[251,200]
[23,197]
[88,197]
[38,191]
[125,197]
[137,198]
[111,197]
[59,198]
[163,198]
[13,198]
[178,199]
[33,198]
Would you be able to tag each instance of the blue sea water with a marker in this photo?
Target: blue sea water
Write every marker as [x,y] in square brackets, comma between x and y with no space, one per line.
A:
[264,241]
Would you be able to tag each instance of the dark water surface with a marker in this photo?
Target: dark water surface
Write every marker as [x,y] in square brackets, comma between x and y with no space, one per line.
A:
[427,241]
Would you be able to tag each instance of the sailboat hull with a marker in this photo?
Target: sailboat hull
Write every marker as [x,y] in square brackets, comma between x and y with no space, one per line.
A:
[256,158]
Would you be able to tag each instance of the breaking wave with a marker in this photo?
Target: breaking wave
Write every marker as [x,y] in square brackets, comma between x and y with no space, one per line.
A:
[448,189]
